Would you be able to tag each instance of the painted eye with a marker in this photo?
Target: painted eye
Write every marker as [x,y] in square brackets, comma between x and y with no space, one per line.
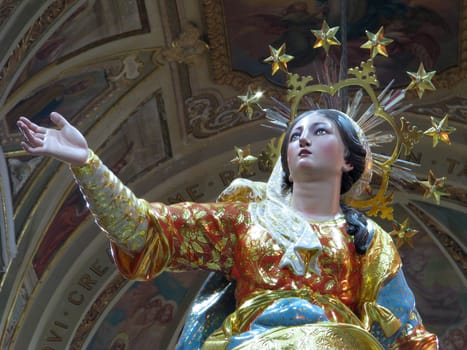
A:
[321,131]
[294,136]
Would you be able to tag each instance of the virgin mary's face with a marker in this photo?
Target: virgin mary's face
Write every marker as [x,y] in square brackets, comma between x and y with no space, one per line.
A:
[315,150]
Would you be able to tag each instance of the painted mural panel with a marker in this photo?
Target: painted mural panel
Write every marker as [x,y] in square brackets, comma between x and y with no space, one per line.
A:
[93,23]
[144,314]
[70,215]
[423,31]
[67,96]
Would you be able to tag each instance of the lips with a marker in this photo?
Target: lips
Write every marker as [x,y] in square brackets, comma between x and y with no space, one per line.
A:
[304,152]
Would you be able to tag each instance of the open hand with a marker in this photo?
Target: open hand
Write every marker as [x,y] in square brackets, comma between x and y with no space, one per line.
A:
[65,143]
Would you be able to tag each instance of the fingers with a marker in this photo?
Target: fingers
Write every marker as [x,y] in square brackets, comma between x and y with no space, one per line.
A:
[30,149]
[58,120]
[35,139]
[24,123]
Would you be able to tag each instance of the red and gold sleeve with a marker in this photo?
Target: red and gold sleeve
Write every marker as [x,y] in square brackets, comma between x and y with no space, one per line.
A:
[148,238]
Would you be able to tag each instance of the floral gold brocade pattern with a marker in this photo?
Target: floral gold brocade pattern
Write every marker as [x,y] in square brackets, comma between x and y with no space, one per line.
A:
[117,210]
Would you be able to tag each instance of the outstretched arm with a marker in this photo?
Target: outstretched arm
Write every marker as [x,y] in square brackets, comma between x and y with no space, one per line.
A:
[122,215]
[146,238]
[64,143]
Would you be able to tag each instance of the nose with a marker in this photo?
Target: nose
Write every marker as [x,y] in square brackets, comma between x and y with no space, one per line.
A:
[304,141]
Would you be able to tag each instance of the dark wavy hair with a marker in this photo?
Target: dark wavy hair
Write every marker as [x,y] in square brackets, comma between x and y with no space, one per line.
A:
[355,154]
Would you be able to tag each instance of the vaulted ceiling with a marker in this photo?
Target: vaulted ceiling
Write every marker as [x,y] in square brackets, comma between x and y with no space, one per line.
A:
[153,85]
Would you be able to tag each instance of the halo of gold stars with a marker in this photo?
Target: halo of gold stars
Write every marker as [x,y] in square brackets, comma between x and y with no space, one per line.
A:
[433,187]
[401,234]
[244,160]
[278,59]
[248,101]
[376,43]
[440,131]
[326,37]
[421,80]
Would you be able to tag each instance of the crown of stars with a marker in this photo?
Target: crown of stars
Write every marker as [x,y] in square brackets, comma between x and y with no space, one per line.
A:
[326,37]
[386,106]
[278,59]
[376,43]
[440,131]
[421,80]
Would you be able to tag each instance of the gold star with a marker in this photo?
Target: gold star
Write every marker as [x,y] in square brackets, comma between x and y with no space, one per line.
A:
[421,80]
[440,131]
[433,187]
[402,234]
[376,43]
[248,100]
[244,160]
[278,59]
[325,37]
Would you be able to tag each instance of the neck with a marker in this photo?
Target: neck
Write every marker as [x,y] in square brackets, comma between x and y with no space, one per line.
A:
[317,200]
